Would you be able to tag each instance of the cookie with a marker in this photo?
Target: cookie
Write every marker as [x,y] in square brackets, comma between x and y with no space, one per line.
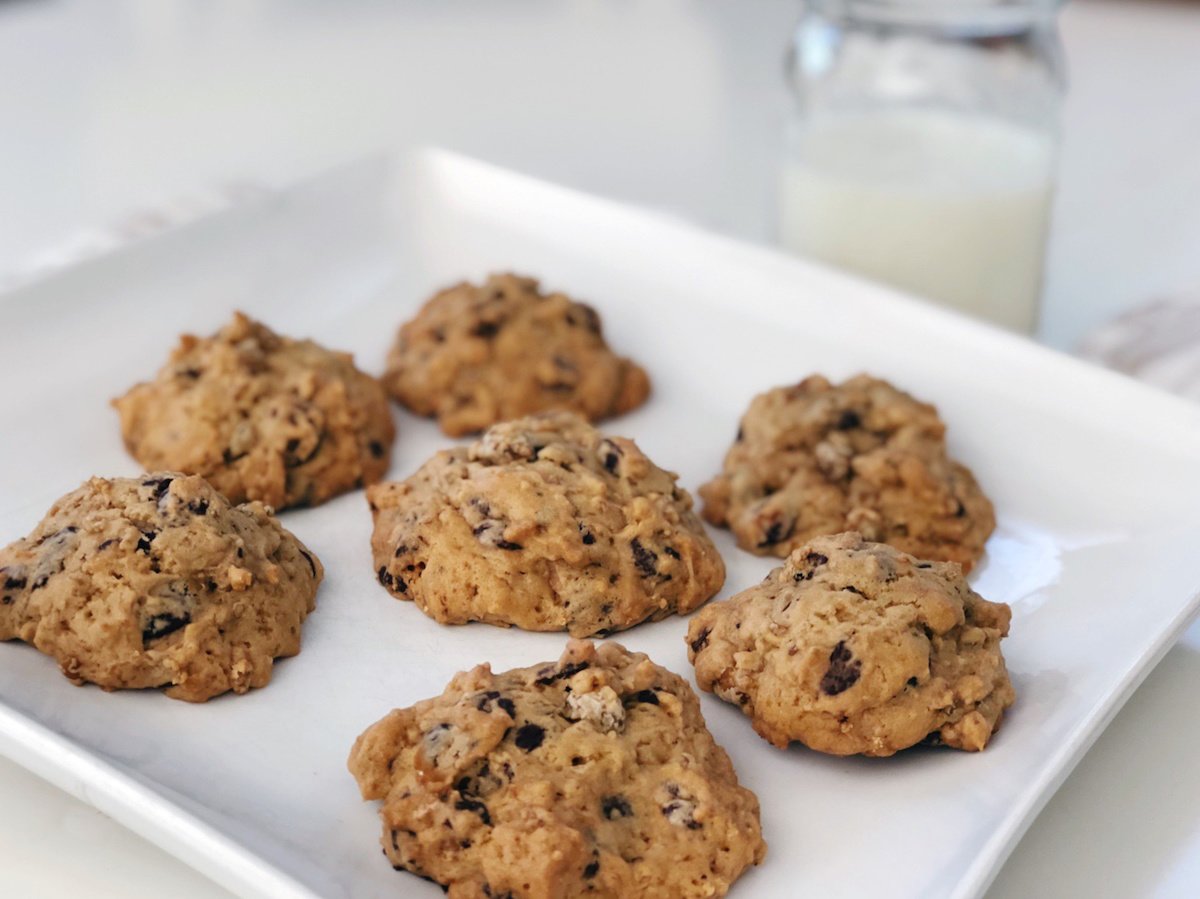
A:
[595,776]
[855,647]
[261,416]
[158,582]
[546,524]
[477,355]
[819,459]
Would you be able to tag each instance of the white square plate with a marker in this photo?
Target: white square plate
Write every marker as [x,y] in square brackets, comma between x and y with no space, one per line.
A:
[1096,481]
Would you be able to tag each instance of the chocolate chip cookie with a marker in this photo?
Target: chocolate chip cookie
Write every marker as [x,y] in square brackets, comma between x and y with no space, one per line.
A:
[854,647]
[592,776]
[262,417]
[477,355]
[819,459]
[158,582]
[546,524]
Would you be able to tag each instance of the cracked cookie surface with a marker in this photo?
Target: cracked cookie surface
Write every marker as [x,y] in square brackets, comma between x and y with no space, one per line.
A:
[475,355]
[854,647]
[158,582]
[595,776]
[261,416]
[817,459]
[547,524]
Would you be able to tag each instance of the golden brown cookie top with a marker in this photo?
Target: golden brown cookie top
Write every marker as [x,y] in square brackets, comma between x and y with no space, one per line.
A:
[479,354]
[855,647]
[261,416]
[547,524]
[158,581]
[818,458]
[592,776]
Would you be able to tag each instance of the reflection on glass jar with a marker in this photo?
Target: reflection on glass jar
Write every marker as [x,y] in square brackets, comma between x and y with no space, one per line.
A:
[923,146]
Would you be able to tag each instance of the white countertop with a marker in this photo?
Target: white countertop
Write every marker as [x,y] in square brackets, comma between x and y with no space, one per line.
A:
[115,108]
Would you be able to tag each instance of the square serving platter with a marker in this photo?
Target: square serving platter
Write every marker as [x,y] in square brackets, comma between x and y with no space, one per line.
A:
[1096,481]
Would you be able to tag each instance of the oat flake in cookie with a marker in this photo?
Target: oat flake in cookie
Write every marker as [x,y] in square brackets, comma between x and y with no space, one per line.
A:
[546,524]
[595,776]
[476,355]
[158,582]
[261,416]
[854,647]
[819,459]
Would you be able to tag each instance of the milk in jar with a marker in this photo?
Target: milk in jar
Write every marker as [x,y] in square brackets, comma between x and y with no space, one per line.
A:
[947,206]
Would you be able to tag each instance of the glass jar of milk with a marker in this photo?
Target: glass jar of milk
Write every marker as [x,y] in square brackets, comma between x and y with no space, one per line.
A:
[922,150]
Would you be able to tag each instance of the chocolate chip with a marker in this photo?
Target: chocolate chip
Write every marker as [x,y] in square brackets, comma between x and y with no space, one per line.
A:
[14,583]
[160,485]
[107,543]
[143,544]
[852,589]
[924,564]
[777,532]
[610,455]
[484,704]
[843,672]
[700,642]
[507,544]
[647,696]
[385,576]
[849,419]
[613,807]
[591,870]
[814,558]
[912,682]
[198,506]
[529,736]
[679,812]
[486,329]
[586,536]
[645,560]
[741,435]
[377,449]
[311,564]
[291,446]
[228,456]
[582,315]
[564,672]
[961,511]
[672,552]
[163,624]
[466,804]
[191,373]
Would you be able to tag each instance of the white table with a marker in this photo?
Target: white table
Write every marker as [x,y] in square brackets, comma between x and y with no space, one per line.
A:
[114,108]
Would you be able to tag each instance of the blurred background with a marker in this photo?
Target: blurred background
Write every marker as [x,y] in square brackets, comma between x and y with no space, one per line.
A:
[121,119]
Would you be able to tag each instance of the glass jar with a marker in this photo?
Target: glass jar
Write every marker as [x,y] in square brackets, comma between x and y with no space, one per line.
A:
[923,144]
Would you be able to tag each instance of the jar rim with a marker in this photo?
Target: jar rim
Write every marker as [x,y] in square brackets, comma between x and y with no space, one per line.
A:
[974,16]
